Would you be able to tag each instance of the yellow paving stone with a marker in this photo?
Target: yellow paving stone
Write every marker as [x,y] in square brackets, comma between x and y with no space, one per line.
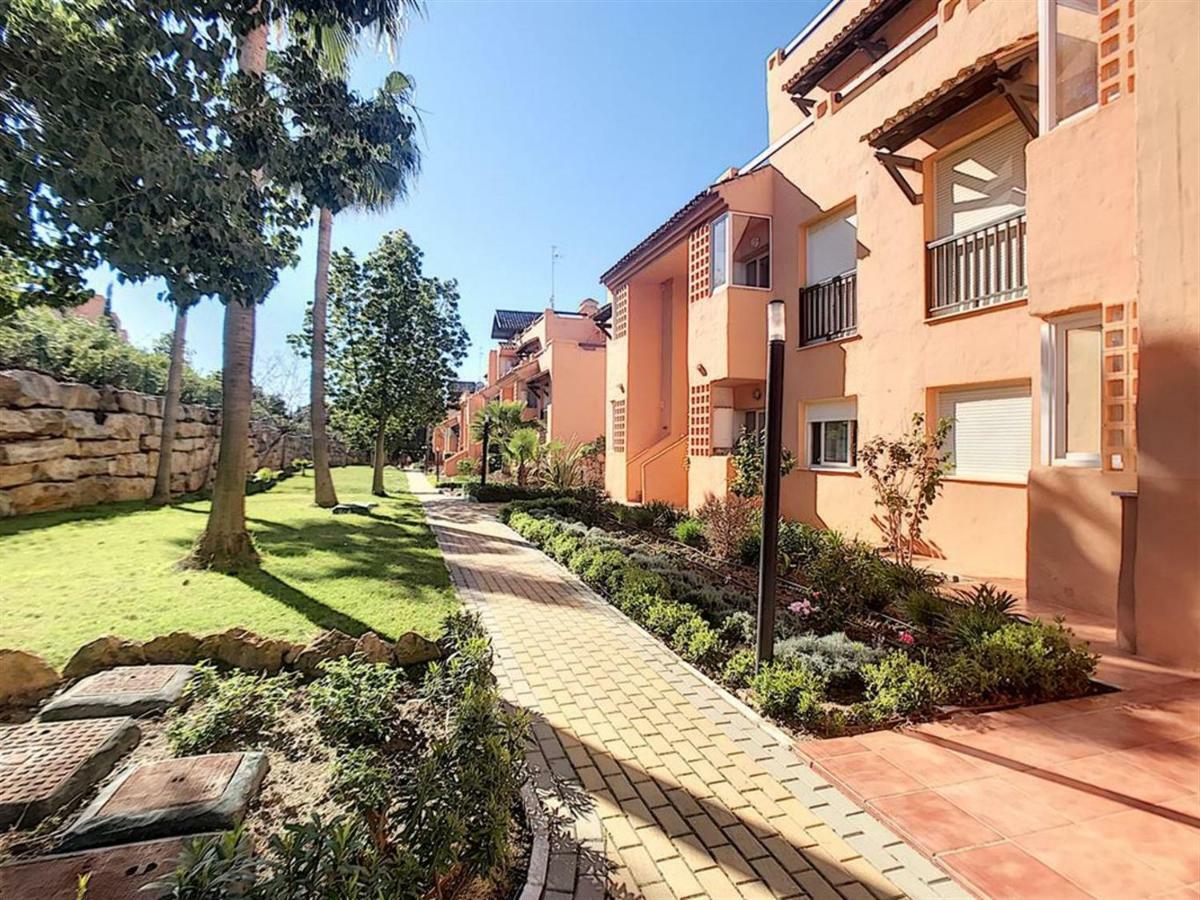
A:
[622,832]
[716,883]
[657,843]
[641,865]
[680,878]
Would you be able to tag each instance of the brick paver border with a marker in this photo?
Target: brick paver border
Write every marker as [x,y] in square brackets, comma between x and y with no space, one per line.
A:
[657,781]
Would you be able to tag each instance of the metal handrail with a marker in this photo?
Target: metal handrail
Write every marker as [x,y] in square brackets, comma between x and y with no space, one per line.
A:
[978,268]
[829,309]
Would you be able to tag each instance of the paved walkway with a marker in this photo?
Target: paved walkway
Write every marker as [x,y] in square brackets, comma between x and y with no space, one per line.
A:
[661,786]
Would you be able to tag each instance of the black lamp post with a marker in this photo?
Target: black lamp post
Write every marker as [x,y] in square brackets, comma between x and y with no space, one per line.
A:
[768,563]
[487,427]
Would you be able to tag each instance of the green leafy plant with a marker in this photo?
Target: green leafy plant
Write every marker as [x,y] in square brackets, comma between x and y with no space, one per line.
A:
[459,627]
[563,467]
[747,458]
[739,669]
[214,867]
[690,531]
[235,711]
[834,658]
[467,466]
[357,702]
[737,628]
[521,449]
[898,685]
[979,611]
[1019,661]
[364,779]
[665,617]
[787,690]
[697,642]
[927,610]
[727,521]
[906,474]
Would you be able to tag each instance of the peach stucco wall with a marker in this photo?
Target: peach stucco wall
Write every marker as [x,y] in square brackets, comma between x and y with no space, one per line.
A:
[577,405]
[1168,199]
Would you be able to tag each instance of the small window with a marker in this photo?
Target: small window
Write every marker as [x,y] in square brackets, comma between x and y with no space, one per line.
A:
[832,434]
[751,251]
[1076,382]
[719,252]
[754,420]
[831,246]
[990,432]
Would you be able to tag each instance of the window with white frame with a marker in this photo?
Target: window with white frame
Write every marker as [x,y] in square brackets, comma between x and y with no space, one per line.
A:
[990,432]
[740,251]
[832,434]
[831,246]
[1072,379]
[754,420]
[1068,54]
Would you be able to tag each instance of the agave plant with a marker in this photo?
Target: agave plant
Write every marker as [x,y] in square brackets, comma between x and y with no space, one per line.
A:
[562,467]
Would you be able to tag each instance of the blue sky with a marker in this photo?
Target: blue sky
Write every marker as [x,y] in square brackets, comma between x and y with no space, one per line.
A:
[581,124]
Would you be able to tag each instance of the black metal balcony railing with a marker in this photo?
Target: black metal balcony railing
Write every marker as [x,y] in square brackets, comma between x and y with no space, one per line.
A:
[978,268]
[829,310]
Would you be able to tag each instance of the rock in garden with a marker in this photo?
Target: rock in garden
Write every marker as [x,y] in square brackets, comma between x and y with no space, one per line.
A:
[170,797]
[362,509]
[46,765]
[123,691]
[327,645]
[374,648]
[245,650]
[412,648]
[24,678]
[104,653]
[179,648]
[21,388]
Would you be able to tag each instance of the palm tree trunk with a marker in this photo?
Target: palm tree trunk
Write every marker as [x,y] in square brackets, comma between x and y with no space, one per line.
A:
[380,454]
[225,544]
[166,447]
[325,494]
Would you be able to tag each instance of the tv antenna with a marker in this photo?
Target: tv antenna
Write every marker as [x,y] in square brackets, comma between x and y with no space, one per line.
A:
[555,256]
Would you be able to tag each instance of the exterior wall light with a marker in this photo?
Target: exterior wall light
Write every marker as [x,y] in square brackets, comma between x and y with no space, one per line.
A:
[768,563]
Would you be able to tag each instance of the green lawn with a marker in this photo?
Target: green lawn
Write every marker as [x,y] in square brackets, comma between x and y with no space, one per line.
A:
[68,577]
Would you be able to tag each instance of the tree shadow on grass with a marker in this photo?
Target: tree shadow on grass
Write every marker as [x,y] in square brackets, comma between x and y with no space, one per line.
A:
[320,614]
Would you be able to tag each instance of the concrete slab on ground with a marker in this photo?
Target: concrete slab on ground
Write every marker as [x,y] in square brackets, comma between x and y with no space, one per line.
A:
[46,765]
[114,873]
[123,691]
[170,797]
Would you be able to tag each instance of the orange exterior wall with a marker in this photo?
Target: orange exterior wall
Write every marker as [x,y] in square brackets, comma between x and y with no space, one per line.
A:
[1168,198]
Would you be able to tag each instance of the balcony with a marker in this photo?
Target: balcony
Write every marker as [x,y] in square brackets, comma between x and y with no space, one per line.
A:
[829,310]
[979,268]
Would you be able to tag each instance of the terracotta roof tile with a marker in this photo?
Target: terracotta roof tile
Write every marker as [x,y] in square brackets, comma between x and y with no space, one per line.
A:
[996,62]
[706,195]
[510,322]
[831,55]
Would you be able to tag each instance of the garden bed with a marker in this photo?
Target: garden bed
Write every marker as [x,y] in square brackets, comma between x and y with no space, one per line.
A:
[861,641]
[409,777]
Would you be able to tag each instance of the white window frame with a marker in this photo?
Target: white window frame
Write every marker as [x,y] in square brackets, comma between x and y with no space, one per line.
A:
[1053,395]
[821,413]
[727,218]
[1047,11]
[985,477]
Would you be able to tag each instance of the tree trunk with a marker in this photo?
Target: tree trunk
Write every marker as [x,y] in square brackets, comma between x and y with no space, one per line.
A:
[380,453]
[326,496]
[225,544]
[166,447]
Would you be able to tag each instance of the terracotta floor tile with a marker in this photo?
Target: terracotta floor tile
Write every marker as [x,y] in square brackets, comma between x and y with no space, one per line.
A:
[1115,729]
[1003,871]
[934,765]
[1176,760]
[829,747]
[1107,772]
[933,822]
[1076,802]
[1028,745]
[867,775]
[1171,847]
[1101,868]
[1190,892]
[998,804]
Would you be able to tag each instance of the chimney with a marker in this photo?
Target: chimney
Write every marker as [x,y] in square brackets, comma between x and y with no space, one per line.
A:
[588,307]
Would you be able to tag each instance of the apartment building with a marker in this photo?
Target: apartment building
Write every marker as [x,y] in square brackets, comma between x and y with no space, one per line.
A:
[968,207]
[538,356]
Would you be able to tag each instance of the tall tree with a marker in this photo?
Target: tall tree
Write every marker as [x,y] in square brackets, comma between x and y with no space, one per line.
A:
[395,341]
[348,152]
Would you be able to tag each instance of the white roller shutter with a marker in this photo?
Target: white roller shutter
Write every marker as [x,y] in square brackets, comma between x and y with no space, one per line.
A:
[981,182]
[832,246]
[991,432]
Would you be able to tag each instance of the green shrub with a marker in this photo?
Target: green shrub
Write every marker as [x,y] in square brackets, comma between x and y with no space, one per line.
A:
[636,605]
[783,689]
[664,617]
[447,680]
[357,702]
[363,779]
[800,544]
[749,548]
[696,641]
[234,711]
[563,545]
[925,609]
[467,466]
[606,570]
[739,669]
[738,628]
[458,627]
[563,507]
[690,531]
[898,685]
[636,580]
[834,658]
[727,522]
[905,577]
[1037,661]
[583,558]
[980,611]
[655,514]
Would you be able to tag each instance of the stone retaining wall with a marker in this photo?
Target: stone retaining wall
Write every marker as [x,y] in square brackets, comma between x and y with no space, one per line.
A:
[64,445]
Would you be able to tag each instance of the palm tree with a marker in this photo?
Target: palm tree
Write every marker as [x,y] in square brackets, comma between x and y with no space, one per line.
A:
[522,449]
[502,417]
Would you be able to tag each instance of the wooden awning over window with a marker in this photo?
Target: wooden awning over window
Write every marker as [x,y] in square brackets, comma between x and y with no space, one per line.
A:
[995,72]
[854,37]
